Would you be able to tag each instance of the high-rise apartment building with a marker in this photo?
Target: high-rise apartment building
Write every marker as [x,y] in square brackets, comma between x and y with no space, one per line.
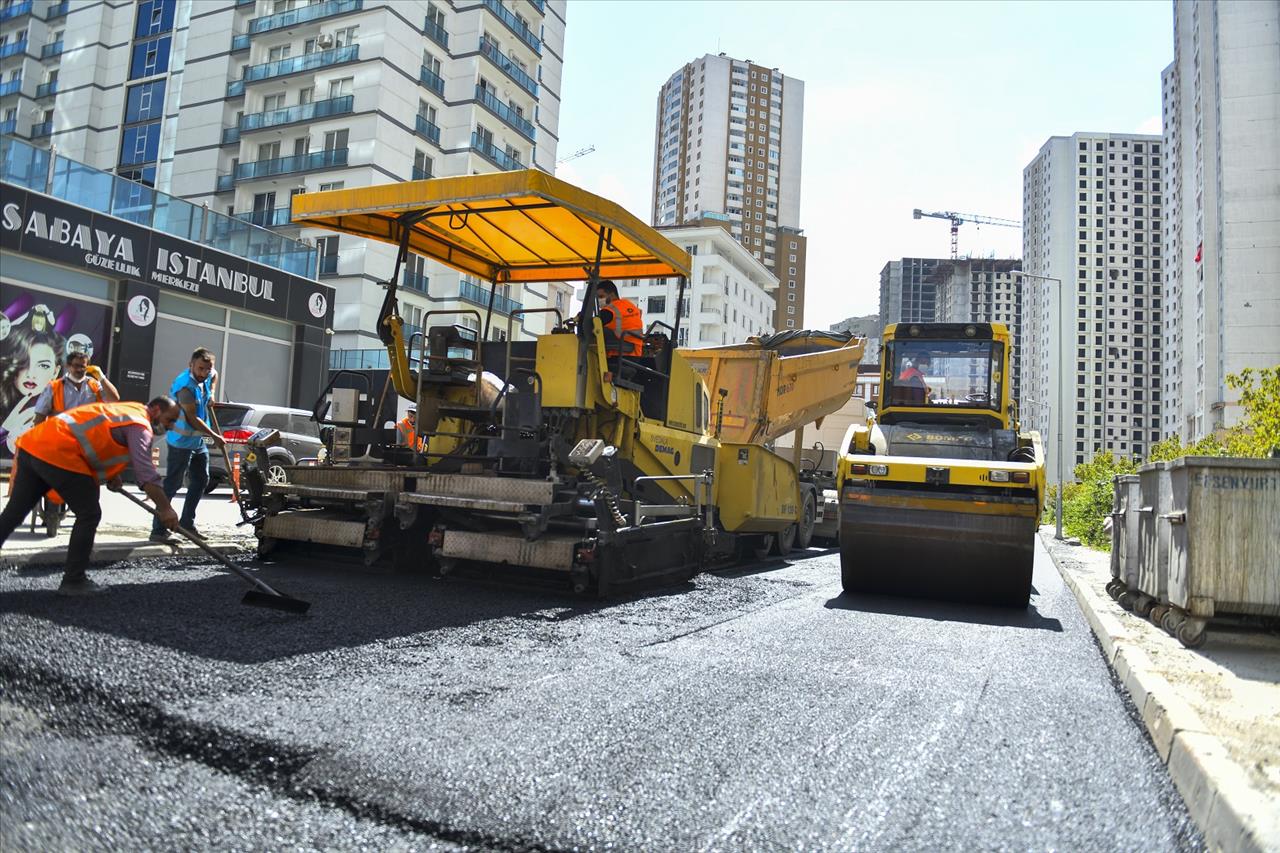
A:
[242,104]
[1222,223]
[729,295]
[956,290]
[728,140]
[1091,218]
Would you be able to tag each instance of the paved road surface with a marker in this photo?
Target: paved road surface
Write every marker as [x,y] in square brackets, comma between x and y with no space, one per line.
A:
[745,710]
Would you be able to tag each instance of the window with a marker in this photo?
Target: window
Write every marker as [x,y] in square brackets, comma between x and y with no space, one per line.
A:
[791,309]
[154,17]
[344,36]
[150,57]
[140,144]
[339,88]
[307,95]
[335,140]
[145,101]
[279,52]
[273,102]
[422,166]
[333,185]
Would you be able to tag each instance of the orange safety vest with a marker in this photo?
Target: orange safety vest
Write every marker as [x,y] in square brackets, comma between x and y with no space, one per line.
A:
[80,439]
[57,384]
[408,435]
[627,326]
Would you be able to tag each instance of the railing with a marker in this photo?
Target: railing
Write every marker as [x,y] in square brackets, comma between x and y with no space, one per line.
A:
[10,87]
[329,265]
[230,135]
[306,62]
[57,11]
[295,163]
[499,158]
[420,174]
[414,281]
[10,125]
[235,88]
[266,218]
[502,13]
[304,14]
[44,90]
[504,111]
[245,2]
[432,80]
[225,183]
[15,10]
[44,128]
[359,359]
[240,42]
[53,48]
[17,47]
[429,129]
[436,33]
[299,112]
[507,66]
[38,169]
[540,6]
[477,295]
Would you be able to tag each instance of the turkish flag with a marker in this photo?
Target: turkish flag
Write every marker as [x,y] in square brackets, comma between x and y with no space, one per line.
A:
[1199,251]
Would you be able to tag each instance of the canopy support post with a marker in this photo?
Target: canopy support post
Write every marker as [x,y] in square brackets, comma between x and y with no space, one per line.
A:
[586,329]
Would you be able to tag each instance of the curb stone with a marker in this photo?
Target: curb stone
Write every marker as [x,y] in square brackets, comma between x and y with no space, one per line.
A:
[1232,815]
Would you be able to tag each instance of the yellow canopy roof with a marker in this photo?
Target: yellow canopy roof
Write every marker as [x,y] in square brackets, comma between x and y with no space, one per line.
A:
[507,226]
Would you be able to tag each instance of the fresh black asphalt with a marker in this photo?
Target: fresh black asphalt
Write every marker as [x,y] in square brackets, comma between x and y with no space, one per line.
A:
[750,709]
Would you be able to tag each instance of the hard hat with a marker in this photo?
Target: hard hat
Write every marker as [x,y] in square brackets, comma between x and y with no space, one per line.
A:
[413,409]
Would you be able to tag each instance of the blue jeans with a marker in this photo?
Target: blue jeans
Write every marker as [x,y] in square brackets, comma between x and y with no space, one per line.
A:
[194,466]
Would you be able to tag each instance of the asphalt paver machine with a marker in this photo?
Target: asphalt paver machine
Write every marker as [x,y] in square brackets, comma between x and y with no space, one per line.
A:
[941,493]
[550,454]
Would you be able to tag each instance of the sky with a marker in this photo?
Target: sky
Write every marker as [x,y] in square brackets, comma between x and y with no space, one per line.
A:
[907,104]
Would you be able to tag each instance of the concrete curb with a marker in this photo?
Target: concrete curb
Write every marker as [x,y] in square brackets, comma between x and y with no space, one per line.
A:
[1231,813]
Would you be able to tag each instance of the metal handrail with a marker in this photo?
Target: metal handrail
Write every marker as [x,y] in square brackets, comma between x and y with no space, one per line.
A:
[422,358]
[511,325]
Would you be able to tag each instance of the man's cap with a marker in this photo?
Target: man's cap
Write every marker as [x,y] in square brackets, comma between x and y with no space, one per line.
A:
[413,410]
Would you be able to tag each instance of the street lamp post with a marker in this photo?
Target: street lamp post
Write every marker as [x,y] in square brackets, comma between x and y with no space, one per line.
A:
[1061,388]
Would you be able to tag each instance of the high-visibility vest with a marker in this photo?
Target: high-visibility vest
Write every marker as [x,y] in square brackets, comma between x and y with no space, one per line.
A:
[627,325]
[182,434]
[59,404]
[408,435]
[80,439]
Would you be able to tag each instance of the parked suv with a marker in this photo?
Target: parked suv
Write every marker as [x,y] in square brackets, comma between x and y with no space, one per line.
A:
[299,437]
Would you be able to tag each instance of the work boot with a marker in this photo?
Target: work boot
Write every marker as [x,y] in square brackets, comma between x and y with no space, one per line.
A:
[78,587]
[164,537]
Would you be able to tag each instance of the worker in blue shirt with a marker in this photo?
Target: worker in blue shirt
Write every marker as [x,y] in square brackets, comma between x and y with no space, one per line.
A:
[188,455]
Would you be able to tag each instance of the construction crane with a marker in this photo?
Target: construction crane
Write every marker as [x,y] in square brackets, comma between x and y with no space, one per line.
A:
[956,219]
[581,152]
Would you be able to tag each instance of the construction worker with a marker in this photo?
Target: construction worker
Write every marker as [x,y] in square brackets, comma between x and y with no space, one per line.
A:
[77,451]
[623,318]
[79,384]
[193,389]
[407,428]
[911,389]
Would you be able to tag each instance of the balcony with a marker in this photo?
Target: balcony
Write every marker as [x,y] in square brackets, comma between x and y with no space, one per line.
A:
[230,135]
[51,49]
[504,111]
[240,42]
[314,12]
[300,112]
[478,295]
[41,130]
[420,174]
[306,62]
[287,165]
[501,159]
[58,10]
[329,265]
[45,90]
[540,6]
[414,281]
[15,10]
[502,13]
[235,88]
[508,67]
[429,130]
[225,184]
[436,33]
[432,80]
[13,49]
[266,218]
[11,87]
[10,126]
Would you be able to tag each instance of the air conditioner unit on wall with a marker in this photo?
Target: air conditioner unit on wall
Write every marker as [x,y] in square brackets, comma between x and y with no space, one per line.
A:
[325,40]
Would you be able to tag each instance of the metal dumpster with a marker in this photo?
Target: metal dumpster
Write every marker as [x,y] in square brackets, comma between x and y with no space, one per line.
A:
[1225,556]
[1151,587]
[1124,537]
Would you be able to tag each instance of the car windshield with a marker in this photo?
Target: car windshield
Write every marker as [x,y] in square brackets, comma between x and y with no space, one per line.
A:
[950,374]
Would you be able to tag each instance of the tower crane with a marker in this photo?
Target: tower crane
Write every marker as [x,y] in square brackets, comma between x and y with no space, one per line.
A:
[581,152]
[957,219]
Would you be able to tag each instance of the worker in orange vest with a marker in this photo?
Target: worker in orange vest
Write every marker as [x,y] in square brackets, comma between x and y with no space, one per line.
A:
[623,318]
[78,451]
[407,428]
[80,383]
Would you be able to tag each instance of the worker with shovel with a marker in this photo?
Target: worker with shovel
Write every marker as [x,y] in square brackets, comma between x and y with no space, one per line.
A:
[77,451]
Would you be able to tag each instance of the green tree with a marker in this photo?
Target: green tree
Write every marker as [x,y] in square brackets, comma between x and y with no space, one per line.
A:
[1258,433]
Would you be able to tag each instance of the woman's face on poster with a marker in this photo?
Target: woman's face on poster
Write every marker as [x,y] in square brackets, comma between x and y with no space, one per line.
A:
[41,370]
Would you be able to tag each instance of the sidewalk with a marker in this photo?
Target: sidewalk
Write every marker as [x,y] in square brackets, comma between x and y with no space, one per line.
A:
[123,533]
[1213,713]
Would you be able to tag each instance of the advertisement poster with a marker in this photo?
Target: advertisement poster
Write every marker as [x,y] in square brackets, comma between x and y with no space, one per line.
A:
[37,330]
